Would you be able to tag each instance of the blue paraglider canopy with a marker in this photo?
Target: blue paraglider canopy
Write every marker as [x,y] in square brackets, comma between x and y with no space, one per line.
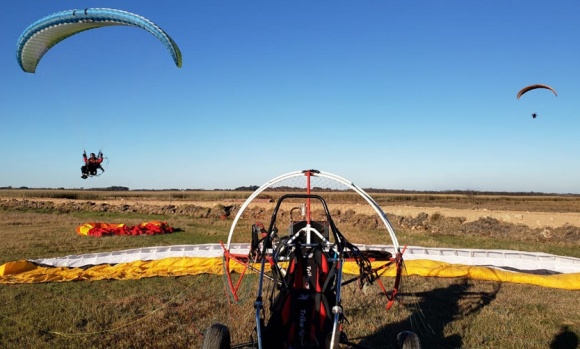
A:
[45,33]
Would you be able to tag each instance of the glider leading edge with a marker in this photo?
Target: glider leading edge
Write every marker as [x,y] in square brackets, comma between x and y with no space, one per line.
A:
[533,87]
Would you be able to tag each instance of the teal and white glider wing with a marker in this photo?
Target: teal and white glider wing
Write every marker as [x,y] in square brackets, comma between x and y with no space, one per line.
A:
[45,33]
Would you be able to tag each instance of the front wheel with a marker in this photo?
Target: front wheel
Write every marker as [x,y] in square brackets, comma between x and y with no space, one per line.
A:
[217,336]
[408,340]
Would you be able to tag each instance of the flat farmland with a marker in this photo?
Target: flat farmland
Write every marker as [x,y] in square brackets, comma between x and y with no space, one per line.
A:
[173,312]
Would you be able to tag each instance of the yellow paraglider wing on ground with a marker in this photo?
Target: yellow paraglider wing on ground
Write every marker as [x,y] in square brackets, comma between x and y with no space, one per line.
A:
[28,272]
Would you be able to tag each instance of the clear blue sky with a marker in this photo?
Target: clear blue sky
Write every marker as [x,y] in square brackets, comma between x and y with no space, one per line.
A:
[415,95]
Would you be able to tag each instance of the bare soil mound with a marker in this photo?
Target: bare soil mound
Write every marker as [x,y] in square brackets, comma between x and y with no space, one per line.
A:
[548,226]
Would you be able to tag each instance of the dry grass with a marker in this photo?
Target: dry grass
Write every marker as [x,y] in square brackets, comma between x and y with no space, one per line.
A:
[173,312]
[164,195]
[545,203]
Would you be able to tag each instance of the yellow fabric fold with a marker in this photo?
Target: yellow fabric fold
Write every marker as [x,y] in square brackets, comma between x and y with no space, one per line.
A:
[26,272]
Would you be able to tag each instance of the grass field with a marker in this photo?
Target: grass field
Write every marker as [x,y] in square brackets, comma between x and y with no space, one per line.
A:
[173,312]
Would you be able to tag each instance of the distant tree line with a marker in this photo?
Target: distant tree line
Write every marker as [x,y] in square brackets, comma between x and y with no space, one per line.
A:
[251,188]
[113,188]
[464,192]
[247,188]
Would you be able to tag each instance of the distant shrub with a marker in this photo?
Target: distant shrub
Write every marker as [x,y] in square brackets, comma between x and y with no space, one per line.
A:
[435,217]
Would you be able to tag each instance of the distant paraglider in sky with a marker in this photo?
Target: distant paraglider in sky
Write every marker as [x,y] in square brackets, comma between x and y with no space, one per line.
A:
[46,32]
[533,87]
[92,164]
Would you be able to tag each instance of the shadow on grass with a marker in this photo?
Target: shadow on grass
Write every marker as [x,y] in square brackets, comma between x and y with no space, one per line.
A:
[431,312]
[565,339]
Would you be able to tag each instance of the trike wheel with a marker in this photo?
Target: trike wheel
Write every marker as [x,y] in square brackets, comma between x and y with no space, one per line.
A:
[408,340]
[217,336]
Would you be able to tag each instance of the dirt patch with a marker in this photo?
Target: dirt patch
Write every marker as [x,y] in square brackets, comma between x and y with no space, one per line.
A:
[527,218]
[537,226]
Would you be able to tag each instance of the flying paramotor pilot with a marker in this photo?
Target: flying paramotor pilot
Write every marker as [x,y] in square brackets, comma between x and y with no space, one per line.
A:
[92,164]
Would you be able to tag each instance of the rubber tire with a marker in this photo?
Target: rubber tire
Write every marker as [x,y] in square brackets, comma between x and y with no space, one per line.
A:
[408,340]
[217,336]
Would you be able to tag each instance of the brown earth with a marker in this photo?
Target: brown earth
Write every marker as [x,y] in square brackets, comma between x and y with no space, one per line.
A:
[531,219]
[527,218]
[524,225]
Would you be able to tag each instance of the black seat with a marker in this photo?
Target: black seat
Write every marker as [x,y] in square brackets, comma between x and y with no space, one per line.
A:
[321,227]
